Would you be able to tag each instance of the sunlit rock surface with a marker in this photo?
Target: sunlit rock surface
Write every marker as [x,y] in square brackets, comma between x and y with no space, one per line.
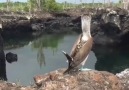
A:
[86,80]
[13,86]
[83,80]
[124,78]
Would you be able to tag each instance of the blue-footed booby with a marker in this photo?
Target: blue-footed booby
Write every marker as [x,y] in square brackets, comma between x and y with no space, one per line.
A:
[81,48]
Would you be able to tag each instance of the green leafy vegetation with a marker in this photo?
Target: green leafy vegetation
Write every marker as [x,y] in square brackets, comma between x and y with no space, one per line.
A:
[32,6]
[49,5]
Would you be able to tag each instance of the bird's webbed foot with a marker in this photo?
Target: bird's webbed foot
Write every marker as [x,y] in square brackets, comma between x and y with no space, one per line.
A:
[84,69]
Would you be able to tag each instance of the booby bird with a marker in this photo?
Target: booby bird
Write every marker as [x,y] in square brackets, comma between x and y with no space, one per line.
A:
[81,48]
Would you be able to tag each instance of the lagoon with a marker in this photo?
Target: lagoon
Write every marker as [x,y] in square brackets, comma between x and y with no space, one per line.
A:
[44,54]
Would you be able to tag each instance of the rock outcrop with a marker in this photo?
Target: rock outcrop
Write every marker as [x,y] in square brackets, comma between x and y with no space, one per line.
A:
[10,58]
[83,80]
[12,86]
[87,80]
[108,27]
[3,75]
[124,78]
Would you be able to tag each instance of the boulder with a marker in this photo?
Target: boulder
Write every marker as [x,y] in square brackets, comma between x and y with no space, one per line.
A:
[13,86]
[83,80]
[109,26]
[3,75]
[11,57]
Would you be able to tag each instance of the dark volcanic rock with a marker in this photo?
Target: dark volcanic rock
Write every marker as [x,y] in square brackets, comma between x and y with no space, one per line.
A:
[87,80]
[38,27]
[2,61]
[111,59]
[11,57]
[17,26]
[106,34]
[105,29]
[108,27]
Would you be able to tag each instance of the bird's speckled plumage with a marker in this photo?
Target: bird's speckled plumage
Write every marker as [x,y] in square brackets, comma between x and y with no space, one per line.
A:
[82,46]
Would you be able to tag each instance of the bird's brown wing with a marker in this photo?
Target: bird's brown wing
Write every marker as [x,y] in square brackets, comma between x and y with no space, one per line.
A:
[74,46]
[82,53]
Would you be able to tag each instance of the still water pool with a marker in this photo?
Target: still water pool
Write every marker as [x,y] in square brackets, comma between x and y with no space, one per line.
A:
[43,55]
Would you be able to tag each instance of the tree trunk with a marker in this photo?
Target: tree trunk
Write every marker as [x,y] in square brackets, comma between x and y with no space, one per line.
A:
[7,1]
[125,4]
[38,4]
[92,3]
[109,2]
[81,3]
[103,3]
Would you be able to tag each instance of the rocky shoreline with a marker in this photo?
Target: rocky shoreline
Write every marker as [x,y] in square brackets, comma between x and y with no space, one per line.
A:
[85,80]
[108,27]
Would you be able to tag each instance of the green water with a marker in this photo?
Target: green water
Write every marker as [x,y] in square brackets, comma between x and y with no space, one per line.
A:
[43,54]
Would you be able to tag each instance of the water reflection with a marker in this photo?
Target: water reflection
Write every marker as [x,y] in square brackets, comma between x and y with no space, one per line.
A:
[17,41]
[46,41]
[47,50]
[110,59]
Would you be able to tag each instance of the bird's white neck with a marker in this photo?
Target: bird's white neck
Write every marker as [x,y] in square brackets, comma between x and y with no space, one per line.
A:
[85,36]
[85,23]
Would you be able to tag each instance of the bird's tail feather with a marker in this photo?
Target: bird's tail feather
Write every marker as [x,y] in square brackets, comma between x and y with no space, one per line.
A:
[70,59]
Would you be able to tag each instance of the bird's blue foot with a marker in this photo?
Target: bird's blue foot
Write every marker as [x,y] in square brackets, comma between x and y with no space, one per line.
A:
[84,69]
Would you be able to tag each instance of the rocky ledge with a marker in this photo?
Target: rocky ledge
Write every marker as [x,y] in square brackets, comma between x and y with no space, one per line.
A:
[85,80]
[124,78]
[109,26]
[88,80]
